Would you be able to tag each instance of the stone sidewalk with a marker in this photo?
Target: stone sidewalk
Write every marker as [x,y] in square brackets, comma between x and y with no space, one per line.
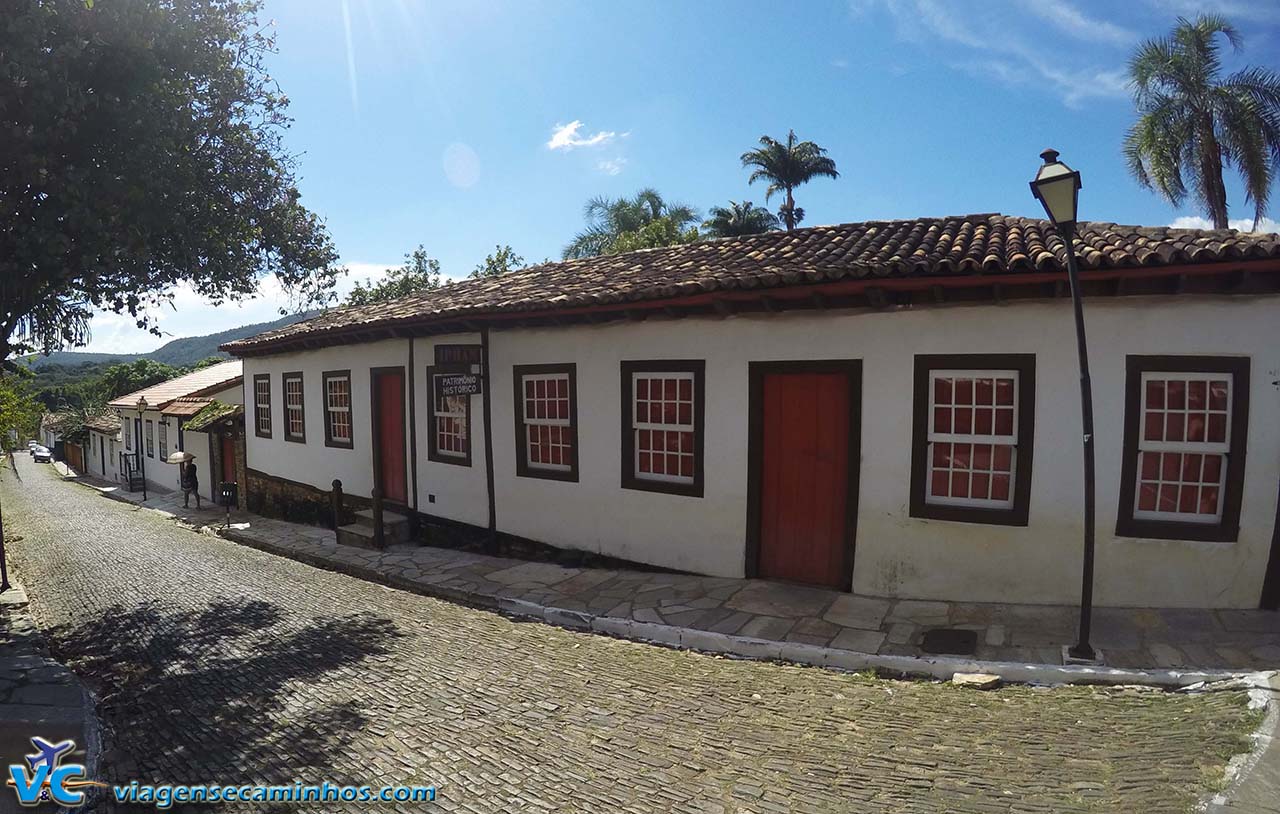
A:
[761,619]
[38,696]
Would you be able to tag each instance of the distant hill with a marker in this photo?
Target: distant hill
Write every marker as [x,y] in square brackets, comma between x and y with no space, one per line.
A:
[179,352]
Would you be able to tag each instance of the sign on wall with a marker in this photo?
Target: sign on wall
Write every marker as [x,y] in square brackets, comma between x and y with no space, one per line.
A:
[458,354]
[458,384]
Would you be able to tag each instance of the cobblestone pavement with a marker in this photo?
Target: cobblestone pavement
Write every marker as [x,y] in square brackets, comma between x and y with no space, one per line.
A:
[216,661]
[1137,638]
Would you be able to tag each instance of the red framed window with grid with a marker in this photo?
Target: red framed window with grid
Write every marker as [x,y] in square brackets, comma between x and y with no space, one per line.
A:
[662,421]
[974,421]
[262,404]
[546,421]
[1186,418]
[337,408]
[548,440]
[1183,448]
[294,419]
[450,425]
[662,426]
[973,445]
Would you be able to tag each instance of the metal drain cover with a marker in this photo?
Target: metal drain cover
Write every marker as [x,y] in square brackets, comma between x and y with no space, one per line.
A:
[949,641]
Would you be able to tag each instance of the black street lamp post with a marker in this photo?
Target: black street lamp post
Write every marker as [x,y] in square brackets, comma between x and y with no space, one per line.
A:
[142,459]
[1057,187]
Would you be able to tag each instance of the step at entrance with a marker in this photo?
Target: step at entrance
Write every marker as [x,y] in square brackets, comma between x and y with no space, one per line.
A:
[395,529]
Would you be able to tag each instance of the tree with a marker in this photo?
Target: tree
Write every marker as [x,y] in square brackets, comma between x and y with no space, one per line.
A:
[608,218]
[209,361]
[418,273]
[19,411]
[785,167]
[142,149]
[658,233]
[1192,123]
[739,219]
[503,260]
[122,379]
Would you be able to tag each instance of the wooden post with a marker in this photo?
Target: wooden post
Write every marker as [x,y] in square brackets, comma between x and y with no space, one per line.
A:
[336,501]
[491,544]
[378,539]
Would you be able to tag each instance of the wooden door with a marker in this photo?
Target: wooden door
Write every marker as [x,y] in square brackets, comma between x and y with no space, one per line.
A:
[389,434]
[228,460]
[805,452]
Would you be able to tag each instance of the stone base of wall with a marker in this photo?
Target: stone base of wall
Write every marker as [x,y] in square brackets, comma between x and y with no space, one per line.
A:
[283,499]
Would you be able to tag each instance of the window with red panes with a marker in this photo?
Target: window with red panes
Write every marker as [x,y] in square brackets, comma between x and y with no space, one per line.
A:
[450,415]
[973,437]
[1183,446]
[663,419]
[547,421]
[337,407]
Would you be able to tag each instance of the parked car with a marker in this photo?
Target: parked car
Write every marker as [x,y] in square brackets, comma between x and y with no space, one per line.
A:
[42,455]
[32,445]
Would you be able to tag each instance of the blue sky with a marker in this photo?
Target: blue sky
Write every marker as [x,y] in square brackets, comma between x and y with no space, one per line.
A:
[464,125]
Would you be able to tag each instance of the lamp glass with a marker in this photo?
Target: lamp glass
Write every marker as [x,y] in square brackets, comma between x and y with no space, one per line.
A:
[1056,186]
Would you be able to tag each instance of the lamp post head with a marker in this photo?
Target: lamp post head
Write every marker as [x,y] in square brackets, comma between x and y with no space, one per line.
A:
[142,404]
[1057,187]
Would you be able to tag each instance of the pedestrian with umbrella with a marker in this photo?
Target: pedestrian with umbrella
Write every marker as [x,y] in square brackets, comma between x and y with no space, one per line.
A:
[189,478]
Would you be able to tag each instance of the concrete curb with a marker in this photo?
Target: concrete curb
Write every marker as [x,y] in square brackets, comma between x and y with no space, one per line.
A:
[745,647]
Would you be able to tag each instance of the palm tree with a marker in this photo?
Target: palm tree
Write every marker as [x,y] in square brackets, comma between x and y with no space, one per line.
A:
[1192,123]
[739,219]
[785,167]
[607,218]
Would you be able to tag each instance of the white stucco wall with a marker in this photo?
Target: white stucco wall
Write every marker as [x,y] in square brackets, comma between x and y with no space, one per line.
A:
[93,457]
[312,462]
[897,555]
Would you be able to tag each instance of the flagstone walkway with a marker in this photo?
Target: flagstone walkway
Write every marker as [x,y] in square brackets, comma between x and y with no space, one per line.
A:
[760,618]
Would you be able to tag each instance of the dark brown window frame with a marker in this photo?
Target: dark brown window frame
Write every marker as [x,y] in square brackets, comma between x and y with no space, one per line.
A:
[1025,364]
[523,469]
[1226,531]
[150,426]
[433,453]
[698,367]
[329,440]
[257,422]
[301,438]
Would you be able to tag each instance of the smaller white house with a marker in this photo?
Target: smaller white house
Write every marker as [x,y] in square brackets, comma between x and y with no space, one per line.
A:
[152,424]
[103,447]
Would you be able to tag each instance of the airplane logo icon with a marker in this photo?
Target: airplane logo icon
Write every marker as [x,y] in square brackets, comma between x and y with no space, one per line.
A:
[48,754]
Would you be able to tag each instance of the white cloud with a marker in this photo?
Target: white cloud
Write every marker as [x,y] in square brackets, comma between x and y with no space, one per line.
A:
[1070,20]
[565,137]
[611,166]
[1265,226]
[999,51]
[193,315]
[461,165]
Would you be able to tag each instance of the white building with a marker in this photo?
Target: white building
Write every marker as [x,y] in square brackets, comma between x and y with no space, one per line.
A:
[153,420]
[887,407]
[101,453]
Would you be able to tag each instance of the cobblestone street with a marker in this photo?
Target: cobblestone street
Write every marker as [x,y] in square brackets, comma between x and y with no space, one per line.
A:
[216,662]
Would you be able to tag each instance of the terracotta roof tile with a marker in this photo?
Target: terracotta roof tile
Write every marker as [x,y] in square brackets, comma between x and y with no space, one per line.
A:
[962,245]
[213,377]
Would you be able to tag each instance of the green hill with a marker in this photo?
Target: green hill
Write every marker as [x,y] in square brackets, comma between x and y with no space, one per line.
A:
[179,352]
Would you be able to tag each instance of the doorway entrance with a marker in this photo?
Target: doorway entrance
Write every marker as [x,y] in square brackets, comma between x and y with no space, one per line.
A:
[389,459]
[805,420]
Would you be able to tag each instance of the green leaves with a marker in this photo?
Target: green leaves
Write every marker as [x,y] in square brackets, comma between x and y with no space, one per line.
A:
[786,166]
[503,260]
[142,149]
[609,219]
[418,273]
[1192,123]
[739,219]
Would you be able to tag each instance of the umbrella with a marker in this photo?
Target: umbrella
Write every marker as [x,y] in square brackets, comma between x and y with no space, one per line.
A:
[179,458]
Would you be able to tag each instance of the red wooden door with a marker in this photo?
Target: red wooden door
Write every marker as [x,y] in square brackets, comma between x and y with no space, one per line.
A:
[228,459]
[389,435]
[804,478]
